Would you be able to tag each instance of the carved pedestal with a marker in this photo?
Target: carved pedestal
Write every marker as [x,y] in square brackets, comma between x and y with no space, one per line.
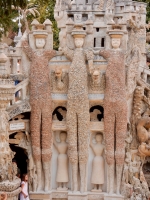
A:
[60,195]
[40,196]
[113,197]
[75,196]
[95,196]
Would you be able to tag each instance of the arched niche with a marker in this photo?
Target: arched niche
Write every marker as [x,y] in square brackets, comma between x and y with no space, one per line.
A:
[59,113]
[96,113]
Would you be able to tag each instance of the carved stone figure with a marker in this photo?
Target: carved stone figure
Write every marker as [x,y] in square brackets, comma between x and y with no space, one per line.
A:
[40,100]
[97,81]
[144,150]
[98,163]
[78,117]
[116,117]
[142,129]
[62,161]
[136,112]
[59,80]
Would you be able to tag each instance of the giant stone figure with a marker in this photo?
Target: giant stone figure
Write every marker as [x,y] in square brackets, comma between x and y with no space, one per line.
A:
[40,100]
[115,110]
[78,116]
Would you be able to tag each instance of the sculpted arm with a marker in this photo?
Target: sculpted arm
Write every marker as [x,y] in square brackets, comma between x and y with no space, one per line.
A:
[27,49]
[68,53]
[50,54]
[90,58]
[104,53]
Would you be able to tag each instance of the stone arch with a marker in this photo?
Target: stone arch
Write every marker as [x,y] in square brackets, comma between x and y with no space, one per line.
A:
[18,108]
[96,113]
[59,113]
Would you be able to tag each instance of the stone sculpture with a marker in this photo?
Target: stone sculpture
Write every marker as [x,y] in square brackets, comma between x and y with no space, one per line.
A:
[98,163]
[59,80]
[62,161]
[78,117]
[116,117]
[40,101]
[97,81]
[8,170]
[64,85]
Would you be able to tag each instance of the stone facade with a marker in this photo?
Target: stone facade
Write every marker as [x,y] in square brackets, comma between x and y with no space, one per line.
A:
[88,134]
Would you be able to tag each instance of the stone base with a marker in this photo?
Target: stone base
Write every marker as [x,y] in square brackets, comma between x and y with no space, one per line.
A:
[59,194]
[68,195]
[40,196]
[95,196]
[113,197]
[77,195]
[62,189]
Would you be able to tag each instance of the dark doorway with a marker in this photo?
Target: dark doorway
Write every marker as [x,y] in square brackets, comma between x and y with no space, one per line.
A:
[20,158]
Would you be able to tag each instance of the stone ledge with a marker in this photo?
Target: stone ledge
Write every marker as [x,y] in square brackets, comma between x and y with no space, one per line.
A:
[62,195]
[77,196]
[40,196]
[113,197]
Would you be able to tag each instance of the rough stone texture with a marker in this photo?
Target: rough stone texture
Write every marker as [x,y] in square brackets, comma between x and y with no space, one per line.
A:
[40,101]
[111,97]
[9,183]
[115,98]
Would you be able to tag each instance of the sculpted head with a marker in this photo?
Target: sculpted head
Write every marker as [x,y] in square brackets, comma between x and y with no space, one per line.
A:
[58,72]
[99,137]
[116,40]
[40,40]
[40,43]
[96,76]
[79,41]
[63,136]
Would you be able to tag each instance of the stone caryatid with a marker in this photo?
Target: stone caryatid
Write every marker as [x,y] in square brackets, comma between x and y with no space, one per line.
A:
[41,104]
[115,110]
[78,116]
[98,163]
[62,161]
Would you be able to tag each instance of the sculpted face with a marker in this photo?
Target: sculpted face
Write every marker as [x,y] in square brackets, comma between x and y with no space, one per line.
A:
[58,73]
[96,75]
[79,42]
[115,42]
[99,137]
[40,43]
[63,136]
